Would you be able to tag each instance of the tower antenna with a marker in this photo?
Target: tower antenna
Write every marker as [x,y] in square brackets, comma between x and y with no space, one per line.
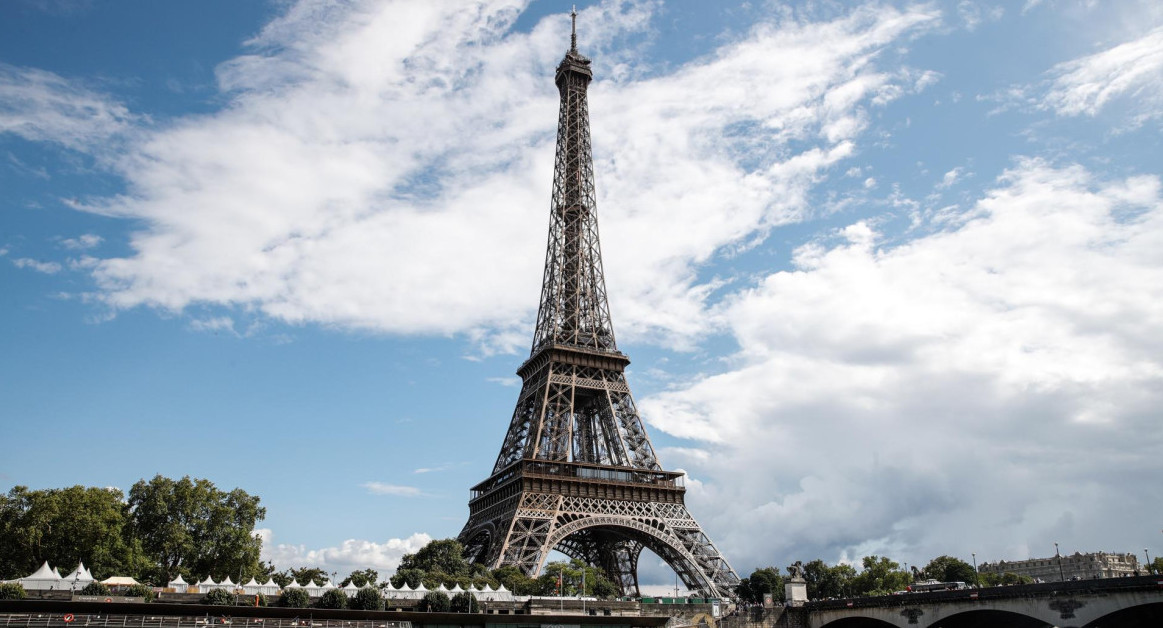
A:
[573,30]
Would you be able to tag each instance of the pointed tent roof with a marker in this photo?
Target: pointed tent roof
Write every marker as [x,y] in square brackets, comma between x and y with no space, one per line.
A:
[226,582]
[44,573]
[329,584]
[252,583]
[456,589]
[270,583]
[351,587]
[312,585]
[119,581]
[421,587]
[442,588]
[403,587]
[56,573]
[208,581]
[178,581]
[294,584]
[501,588]
[80,574]
[488,588]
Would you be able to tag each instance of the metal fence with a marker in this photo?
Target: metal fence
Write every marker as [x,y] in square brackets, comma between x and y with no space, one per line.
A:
[76,620]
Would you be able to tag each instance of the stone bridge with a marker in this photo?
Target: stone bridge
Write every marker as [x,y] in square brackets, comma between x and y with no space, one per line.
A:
[1107,603]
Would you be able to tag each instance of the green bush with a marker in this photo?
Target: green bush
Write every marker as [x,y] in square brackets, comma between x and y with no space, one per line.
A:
[294,598]
[464,602]
[95,588]
[218,597]
[333,598]
[250,600]
[434,601]
[367,599]
[141,591]
[12,591]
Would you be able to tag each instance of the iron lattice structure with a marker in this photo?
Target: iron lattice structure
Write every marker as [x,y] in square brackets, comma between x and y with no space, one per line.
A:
[577,472]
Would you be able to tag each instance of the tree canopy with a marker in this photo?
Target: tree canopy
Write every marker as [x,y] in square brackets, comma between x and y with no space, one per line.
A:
[164,528]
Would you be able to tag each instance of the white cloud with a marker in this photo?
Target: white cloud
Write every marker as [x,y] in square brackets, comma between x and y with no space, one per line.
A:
[48,268]
[430,155]
[42,106]
[350,555]
[1131,71]
[214,324]
[970,390]
[82,242]
[381,488]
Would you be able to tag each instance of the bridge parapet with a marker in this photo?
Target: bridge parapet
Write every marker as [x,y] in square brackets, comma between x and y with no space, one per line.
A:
[1075,603]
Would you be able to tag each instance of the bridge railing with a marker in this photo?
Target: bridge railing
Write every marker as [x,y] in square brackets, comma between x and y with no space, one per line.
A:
[1100,585]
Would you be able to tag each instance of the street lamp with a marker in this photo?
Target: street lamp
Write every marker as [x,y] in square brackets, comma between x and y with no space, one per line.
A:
[976,580]
[1061,574]
[1148,560]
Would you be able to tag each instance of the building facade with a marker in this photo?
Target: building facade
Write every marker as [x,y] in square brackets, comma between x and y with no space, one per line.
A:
[1076,566]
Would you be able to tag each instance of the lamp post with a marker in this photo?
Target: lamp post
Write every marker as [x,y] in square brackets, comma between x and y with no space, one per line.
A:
[1061,574]
[976,580]
[1148,556]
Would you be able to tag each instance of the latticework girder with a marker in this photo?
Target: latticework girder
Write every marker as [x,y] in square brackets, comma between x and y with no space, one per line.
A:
[576,471]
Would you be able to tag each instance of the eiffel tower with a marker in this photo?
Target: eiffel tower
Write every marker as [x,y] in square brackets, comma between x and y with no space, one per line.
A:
[577,472]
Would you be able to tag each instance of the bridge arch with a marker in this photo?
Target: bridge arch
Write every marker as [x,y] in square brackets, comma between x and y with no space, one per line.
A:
[857,622]
[577,539]
[989,617]
[1140,616]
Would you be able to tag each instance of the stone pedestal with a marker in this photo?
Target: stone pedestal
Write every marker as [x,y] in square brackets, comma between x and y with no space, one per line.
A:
[796,591]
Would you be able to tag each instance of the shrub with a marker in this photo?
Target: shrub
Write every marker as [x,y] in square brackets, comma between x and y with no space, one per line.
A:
[367,599]
[464,602]
[258,599]
[95,588]
[12,591]
[294,598]
[141,591]
[218,597]
[434,601]
[333,598]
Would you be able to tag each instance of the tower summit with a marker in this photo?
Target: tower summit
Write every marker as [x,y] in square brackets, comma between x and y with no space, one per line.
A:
[576,471]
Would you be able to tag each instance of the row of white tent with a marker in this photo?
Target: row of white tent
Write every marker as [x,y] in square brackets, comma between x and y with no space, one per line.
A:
[49,579]
[405,592]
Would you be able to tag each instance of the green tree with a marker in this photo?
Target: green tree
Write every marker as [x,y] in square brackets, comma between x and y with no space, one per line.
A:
[141,591]
[444,556]
[361,578]
[410,576]
[64,527]
[218,597]
[828,582]
[949,569]
[880,576]
[464,602]
[333,598]
[434,601]
[191,527]
[95,588]
[514,580]
[1155,566]
[294,598]
[12,591]
[764,581]
[367,599]
[990,579]
[307,575]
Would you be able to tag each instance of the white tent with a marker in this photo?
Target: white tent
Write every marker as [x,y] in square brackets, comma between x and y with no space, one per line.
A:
[207,585]
[119,581]
[78,578]
[227,584]
[503,594]
[42,579]
[56,573]
[178,584]
[351,589]
[252,587]
[313,589]
[293,585]
[269,587]
[329,585]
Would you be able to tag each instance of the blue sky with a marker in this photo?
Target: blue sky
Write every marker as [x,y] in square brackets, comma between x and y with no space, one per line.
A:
[890,274]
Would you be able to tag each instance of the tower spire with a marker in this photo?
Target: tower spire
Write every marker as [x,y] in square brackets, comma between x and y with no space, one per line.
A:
[573,30]
[576,472]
